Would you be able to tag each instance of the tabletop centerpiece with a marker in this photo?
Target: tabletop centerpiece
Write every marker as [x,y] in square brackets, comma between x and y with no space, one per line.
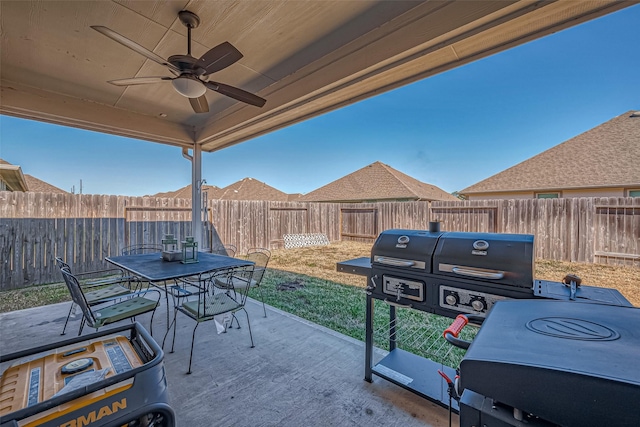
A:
[170,250]
[189,250]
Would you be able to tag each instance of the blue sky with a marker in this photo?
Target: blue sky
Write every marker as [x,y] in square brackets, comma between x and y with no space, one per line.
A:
[451,130]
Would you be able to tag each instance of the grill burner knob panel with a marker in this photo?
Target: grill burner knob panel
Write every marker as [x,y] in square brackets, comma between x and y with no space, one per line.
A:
[467,301]
[478,305]
[452,299]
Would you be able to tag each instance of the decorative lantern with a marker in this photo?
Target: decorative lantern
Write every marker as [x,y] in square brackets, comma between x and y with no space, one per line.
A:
[170,250]
[169,243]
[189,251]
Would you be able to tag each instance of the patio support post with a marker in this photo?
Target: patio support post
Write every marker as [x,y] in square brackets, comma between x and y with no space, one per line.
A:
[196,194]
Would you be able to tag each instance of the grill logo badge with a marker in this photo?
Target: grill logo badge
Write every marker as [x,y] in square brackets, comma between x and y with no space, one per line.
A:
[572,329]
[480,247]
[402,241]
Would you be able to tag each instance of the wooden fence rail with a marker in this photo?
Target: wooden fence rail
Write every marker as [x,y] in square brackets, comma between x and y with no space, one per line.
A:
[83,229]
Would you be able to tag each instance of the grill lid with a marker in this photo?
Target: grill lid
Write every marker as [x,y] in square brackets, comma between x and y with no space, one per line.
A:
[499,258]
[405,249]
[570,363]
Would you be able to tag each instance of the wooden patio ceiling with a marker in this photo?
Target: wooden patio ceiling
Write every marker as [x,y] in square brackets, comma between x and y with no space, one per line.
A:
[304,57]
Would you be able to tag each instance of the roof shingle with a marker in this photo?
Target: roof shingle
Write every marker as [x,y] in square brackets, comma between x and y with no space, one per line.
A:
[245,189]
[376,181]
[605,156]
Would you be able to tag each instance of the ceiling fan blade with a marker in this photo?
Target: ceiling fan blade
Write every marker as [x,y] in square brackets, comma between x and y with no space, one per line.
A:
[199,105]
[219,57]
[138,81]
[236,93]
[134,46]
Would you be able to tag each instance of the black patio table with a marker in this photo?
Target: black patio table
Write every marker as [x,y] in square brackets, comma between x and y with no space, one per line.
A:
[153,268]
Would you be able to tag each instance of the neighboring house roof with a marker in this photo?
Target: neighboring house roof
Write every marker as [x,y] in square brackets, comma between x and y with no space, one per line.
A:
[36,185]
[185,192]
[376,181]
[12,177]
[15,180]
[252,189]
[245,189]
[605,156]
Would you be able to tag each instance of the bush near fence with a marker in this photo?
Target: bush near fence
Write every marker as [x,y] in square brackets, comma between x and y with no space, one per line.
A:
[83,229]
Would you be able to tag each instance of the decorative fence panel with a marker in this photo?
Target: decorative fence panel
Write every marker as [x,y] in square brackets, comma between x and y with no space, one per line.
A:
[83,229]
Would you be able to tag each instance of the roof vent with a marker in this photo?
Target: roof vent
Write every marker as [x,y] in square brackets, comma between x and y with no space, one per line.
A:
[635,114]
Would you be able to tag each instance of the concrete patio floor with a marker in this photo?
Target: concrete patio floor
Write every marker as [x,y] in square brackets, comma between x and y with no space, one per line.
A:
[298,374]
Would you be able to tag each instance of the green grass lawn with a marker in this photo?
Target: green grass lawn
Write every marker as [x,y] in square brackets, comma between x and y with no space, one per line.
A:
[342,308]
[33,296]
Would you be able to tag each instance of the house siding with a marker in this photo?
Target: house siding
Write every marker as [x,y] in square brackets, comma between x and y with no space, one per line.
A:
[579,192]
[502,196]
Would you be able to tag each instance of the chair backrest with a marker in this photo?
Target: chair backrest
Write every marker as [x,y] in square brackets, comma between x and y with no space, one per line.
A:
[244,274]
[260,257]
[78,296]
[227,250]
[61,264]
[145,248]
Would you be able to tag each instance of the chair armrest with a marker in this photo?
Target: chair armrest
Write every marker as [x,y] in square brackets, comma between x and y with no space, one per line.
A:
[132,295]
[95,278]
[108,271]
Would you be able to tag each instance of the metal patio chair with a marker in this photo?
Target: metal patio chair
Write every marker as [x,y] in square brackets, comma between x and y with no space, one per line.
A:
[138,249]
[211,304]
[193,285]
[260,258]
[128,307]
[226,250]
[144,248]
[98,289]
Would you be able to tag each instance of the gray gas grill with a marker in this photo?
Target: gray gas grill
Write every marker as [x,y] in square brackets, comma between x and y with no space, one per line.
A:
[449,273]
[548,363]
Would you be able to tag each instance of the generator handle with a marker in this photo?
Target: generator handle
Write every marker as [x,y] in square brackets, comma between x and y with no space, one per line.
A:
[452,332]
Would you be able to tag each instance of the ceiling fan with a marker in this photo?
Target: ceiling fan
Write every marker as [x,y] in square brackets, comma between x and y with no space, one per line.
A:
[191,74]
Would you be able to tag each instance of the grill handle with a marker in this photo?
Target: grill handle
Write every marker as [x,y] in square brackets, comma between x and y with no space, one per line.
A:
[395,304]
[452,332]
[481,274]
[395,262]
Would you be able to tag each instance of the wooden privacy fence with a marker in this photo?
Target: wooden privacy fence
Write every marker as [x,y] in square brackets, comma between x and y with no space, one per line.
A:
[594,230]
[83,229]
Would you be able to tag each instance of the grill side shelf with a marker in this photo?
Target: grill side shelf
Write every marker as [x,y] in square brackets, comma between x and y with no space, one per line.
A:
[358,266]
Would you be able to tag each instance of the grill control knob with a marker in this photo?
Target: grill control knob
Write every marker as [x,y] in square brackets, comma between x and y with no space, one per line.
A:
[451,299]
[478,305]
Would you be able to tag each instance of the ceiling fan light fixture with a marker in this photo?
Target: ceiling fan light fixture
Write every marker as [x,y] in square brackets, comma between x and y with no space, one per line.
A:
[189,87]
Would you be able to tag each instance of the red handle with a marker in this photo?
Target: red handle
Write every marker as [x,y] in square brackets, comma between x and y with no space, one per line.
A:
[445,376]
[457,325]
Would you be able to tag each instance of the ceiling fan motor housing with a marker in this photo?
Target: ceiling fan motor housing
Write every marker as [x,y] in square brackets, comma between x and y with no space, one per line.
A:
[187,64]
[189,19]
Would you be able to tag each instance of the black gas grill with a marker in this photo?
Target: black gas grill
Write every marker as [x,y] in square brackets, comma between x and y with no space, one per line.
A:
[451,273]
[542,363]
